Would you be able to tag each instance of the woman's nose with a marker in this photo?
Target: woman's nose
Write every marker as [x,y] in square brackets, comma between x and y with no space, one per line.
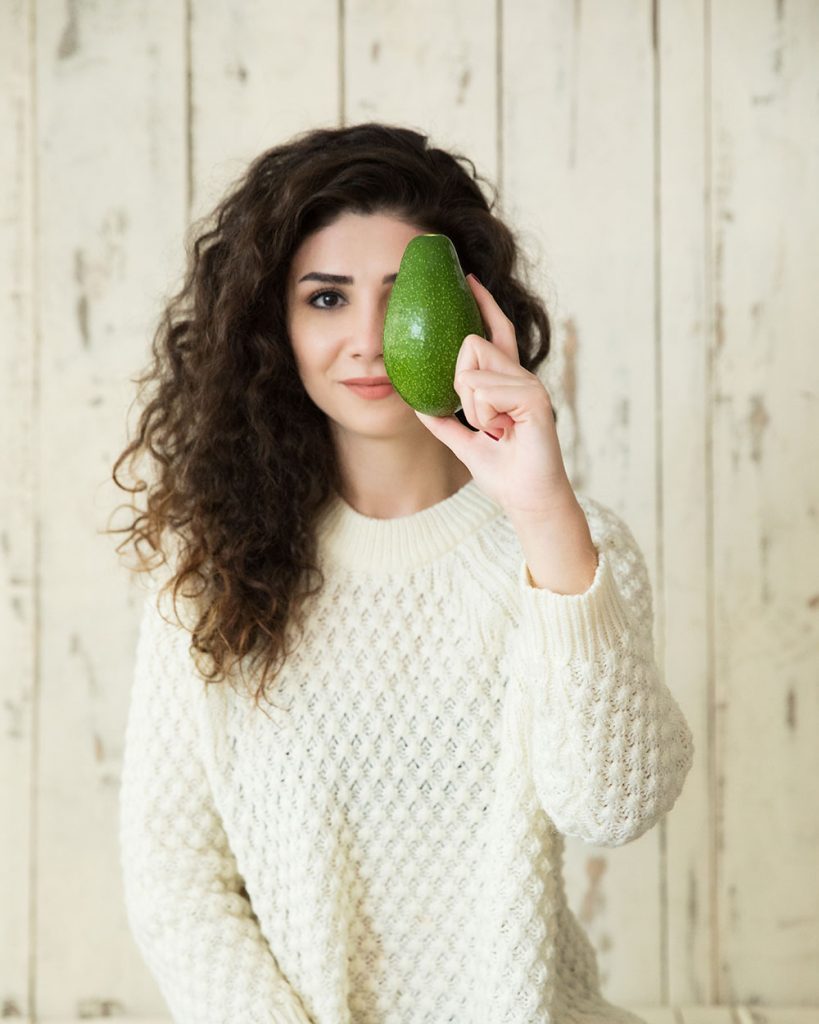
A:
[370,329]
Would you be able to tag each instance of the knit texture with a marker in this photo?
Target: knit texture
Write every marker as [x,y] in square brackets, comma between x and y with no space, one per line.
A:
[385,845]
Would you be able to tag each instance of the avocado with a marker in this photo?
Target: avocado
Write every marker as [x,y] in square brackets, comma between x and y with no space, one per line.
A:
[430,311]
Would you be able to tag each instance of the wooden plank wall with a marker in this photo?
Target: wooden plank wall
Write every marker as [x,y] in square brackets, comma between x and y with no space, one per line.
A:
[660,162]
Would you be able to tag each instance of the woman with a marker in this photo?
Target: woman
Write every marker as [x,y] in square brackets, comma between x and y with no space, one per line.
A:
[471,678]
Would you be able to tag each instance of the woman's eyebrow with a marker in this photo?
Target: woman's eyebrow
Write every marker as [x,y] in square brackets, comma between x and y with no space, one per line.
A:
[314,275]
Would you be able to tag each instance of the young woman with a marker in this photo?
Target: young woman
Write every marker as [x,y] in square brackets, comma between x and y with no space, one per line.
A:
[454,648]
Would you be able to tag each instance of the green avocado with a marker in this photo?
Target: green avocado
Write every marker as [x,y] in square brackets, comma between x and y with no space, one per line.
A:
[431,310]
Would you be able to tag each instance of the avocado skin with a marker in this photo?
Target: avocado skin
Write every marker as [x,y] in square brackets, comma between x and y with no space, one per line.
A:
[431,310]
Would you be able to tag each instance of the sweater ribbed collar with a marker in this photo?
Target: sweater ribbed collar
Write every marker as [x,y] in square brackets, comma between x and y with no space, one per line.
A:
[346,537]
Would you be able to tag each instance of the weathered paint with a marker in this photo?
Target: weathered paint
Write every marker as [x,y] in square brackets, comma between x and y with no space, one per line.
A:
[665,162]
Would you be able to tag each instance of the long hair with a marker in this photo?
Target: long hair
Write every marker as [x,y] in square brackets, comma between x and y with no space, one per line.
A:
[244,462]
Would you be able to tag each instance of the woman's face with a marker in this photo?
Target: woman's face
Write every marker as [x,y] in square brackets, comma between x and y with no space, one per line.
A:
[337,327]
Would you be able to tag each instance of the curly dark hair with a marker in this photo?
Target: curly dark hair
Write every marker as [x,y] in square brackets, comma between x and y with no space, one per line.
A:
[245,463]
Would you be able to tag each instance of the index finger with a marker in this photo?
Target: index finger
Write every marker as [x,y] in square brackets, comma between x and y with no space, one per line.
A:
[500,326]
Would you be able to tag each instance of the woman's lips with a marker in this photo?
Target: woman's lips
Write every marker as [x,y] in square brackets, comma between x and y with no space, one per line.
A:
[371,390]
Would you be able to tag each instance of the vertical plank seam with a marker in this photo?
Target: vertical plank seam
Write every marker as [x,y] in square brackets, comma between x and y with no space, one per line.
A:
[659,479]
[342,66]
[32,167]
[499,99]
[189,111]
[715,995]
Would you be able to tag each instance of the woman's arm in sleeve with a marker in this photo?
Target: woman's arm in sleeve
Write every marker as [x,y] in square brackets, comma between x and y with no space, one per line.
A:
[186,908]
[608,746]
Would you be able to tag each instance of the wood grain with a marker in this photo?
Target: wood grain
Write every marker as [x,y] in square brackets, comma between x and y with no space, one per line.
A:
[659,161]
[764,379]
[110,189]
[19,617]
[578,91]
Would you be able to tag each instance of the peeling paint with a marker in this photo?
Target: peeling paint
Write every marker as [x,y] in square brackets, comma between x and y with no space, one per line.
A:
[575,72]
[568,389]
[69,40]
[691,902]
[82,319]
[82,299]
[758,420]
[719,325]
[593,900]
[796,922]
[724,180]
[733,910]
[778,51]
[719,819]
[691,935]
[463,85]
[569,381]
[790,712]
[76,647]
[89,1008]
[764,547]
[233,68]
[15,715]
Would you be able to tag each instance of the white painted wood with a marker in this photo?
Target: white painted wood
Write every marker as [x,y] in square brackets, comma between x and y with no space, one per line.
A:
[110,182]
[683,513]
[676,1014]
[18,529]
[260,73]
[766,1015]
[666,1015]
[578,182]
[688,1014]
[428,66]
[765,249]
[699,427]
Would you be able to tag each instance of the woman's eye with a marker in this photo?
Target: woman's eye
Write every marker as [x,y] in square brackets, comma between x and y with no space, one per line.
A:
[320,295]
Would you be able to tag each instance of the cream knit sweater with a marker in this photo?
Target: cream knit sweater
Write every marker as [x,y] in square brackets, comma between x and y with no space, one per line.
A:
[388,849]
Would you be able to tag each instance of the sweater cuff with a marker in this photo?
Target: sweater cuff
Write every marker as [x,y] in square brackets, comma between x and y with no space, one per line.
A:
[571,626]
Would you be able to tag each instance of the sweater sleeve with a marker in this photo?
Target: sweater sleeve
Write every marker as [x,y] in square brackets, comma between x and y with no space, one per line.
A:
[184,898]
[608,747]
